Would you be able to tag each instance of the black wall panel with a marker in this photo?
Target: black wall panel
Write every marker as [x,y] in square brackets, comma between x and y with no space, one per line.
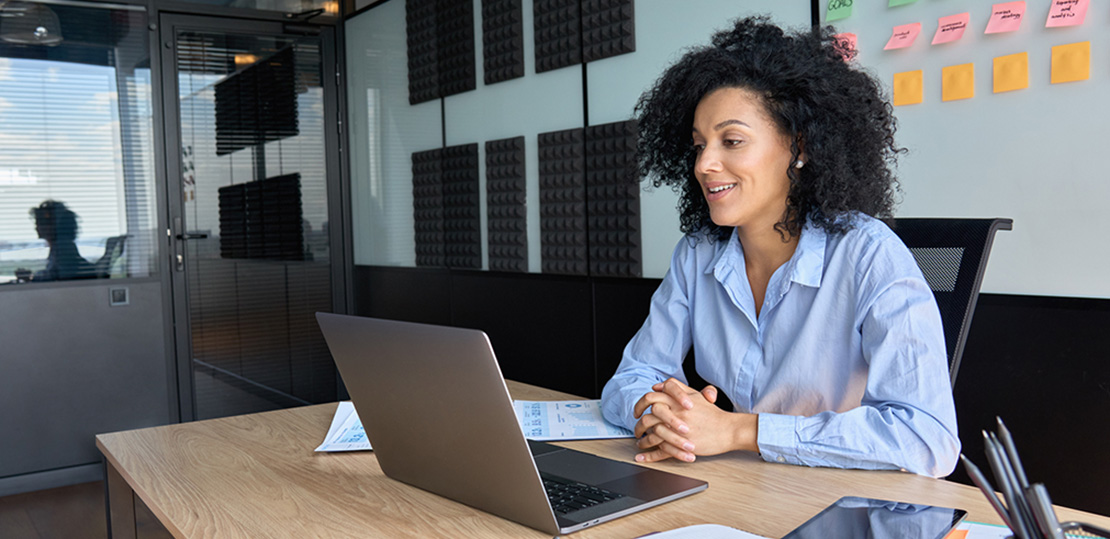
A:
[1040,364]
[408,294]
[540,327]
[620,307]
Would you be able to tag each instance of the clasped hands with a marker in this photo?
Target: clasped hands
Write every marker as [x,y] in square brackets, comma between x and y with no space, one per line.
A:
[684,423]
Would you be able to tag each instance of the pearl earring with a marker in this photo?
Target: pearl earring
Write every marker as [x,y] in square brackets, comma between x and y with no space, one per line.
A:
[799,164]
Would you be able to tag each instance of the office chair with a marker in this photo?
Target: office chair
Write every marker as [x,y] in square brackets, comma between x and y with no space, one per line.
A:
[952,253]
[113,249]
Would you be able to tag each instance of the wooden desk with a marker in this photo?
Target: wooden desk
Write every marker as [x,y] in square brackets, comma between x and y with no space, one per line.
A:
[257,476]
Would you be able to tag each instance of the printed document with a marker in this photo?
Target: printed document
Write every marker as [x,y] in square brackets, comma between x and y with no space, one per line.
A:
[345,433]
[565,420]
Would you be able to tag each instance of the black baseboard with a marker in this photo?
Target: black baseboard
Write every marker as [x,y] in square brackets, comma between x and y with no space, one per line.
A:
[1038,362]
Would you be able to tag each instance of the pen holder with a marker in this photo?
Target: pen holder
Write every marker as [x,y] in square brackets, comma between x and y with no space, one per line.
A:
[1079,529]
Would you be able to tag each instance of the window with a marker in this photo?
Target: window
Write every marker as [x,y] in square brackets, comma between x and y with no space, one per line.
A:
[76,159]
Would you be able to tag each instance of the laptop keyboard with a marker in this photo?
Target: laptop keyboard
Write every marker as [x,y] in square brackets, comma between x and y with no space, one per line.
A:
[569,496]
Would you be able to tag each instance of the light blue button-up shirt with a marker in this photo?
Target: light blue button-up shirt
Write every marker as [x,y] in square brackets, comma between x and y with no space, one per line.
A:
[845,363]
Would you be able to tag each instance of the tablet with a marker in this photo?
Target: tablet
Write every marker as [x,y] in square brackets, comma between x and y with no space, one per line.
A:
[851,517]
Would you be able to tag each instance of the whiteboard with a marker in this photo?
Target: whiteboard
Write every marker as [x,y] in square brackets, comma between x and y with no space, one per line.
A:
[1035,155]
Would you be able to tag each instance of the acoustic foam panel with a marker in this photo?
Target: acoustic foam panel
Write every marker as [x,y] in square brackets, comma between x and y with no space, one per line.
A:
[423,58]
[427,206]
[262,219]
[505,205]
[502,40]
[455,46]
[558,34]
[608,28]
[563,202]
[613,195]
[462,224]
[440,45]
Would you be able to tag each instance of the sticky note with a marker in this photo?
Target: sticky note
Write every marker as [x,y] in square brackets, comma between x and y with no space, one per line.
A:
[1071,62]
[838,9]
[1005,17]
[958,82]
[893,3]
[909,88]
[848,44]
[903,36]
[957,534]
[1011,72]
[951,28]
[1066,13]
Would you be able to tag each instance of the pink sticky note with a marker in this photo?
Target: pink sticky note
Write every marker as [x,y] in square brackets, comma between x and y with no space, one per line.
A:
[1066,13]
[1005,17]
[849,41]
[903,36]
[951,28]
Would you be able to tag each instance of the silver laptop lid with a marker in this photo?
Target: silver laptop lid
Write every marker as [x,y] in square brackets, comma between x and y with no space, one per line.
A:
[437,411]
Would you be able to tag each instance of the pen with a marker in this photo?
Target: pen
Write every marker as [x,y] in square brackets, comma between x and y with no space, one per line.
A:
[986,488]
[1049,524]
[995,458]
[1011,450]
[1021,503]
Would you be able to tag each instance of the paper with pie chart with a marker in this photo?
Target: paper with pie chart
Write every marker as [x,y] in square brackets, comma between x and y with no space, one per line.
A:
[565,420]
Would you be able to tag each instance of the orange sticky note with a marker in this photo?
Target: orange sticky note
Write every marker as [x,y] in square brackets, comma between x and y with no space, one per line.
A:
[1005,17]
[1071,62]
[903,36]
[909,88]
[951,28]
[957,534]
[1066,13]
[1011,72]
[958,82]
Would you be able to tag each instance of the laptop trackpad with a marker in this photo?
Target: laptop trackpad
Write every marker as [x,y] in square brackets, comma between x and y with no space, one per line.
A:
[583,467]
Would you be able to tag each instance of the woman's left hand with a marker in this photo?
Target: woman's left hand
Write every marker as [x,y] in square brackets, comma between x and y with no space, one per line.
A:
[709,430]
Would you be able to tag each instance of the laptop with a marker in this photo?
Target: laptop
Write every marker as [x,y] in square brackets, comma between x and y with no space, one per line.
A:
[438,413]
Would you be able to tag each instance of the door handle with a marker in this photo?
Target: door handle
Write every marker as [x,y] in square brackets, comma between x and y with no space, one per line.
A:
[191,236]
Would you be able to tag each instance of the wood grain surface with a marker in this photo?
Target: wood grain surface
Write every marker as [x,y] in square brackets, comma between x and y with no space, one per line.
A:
[257,476]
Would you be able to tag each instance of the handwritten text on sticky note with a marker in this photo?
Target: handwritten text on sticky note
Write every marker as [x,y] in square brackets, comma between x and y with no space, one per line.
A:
[838,9]
[951,28]
[1006,17]
[1067,13]
[903,36]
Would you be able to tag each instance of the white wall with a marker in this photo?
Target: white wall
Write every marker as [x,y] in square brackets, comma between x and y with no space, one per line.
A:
[1034,155]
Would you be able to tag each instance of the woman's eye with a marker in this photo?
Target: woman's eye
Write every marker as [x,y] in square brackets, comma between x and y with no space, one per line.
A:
[698,148]
[731,142]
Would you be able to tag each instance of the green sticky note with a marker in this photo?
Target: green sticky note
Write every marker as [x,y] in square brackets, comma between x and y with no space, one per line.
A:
[899,2]
[838,9]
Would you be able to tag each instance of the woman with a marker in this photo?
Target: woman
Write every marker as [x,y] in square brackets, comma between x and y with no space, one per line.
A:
[799,302]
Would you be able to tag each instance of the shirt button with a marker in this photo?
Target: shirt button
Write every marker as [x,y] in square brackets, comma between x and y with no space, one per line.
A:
[781,459]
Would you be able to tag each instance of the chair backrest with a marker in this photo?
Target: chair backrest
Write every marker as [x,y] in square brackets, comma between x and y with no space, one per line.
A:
[952,253]
[113,249]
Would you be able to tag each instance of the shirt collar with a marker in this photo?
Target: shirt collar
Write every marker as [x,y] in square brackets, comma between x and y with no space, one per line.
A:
[809,257]
[808,261]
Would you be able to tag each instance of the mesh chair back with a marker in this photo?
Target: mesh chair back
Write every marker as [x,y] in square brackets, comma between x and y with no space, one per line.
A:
[952,253]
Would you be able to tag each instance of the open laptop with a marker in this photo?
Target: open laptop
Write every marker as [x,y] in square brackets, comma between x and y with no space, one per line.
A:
[438,413]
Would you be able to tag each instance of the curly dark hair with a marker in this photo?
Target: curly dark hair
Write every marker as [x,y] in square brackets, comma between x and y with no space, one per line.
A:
[805,80]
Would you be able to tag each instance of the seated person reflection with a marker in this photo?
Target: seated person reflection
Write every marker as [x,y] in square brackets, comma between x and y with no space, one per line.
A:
[799,302]
[57,225]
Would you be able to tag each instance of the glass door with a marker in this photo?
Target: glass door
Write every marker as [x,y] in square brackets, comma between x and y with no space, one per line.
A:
[252,172]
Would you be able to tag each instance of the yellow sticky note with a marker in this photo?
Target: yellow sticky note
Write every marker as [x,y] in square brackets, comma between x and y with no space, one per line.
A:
[1071,62]
[958,82]
[909,88]
[1011,72]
